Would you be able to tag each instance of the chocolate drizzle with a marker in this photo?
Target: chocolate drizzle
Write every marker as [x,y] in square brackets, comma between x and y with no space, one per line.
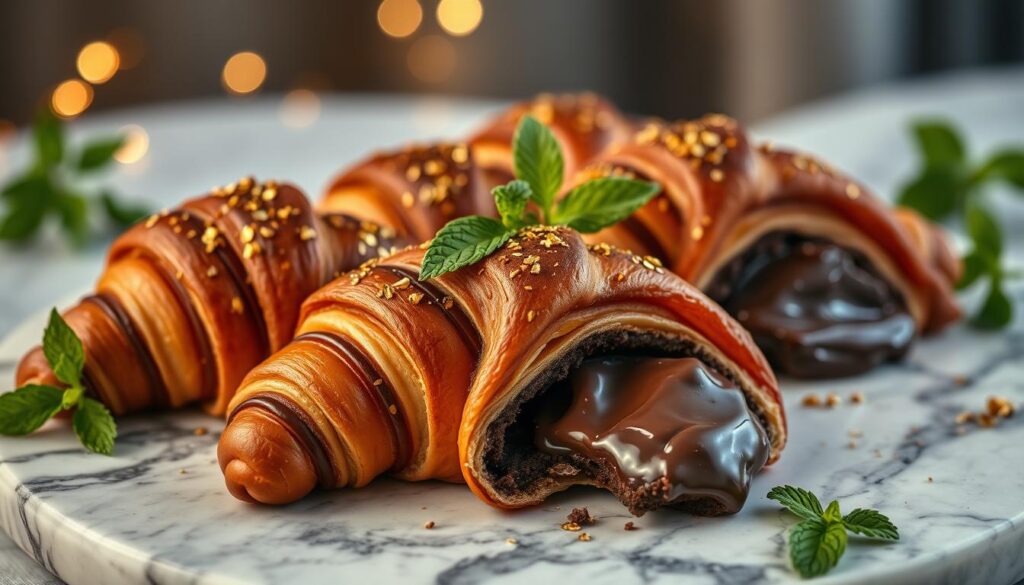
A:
[297,423]
[816,309]
[454,313]
[383,393]
[670,430]
[112,307]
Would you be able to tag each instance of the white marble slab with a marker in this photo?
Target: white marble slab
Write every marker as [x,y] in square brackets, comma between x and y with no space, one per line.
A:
[157,511]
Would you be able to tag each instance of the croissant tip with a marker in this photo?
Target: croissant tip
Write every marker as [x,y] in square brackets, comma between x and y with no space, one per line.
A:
[262,461]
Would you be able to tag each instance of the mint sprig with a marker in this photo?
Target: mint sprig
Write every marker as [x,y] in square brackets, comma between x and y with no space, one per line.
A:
[818,542]
[532,199]
[29,407]
[949,186]
[49,186]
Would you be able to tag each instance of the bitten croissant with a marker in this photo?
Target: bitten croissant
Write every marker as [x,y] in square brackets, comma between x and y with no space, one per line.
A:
[829,280]
[547,364]
[191,299]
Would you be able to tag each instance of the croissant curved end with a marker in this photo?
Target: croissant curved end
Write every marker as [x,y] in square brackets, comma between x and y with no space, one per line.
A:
[262,460]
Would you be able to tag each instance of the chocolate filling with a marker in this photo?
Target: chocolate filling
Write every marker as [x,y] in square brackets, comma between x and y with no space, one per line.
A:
[299,426]
[816,309]
[673,423]
[383,394]
[112,307]
[517,468]
[470,336]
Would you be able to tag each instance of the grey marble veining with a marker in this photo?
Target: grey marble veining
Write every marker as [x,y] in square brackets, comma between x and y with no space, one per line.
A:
[157,510]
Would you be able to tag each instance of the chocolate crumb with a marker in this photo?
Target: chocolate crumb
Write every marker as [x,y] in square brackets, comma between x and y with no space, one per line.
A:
[581,516]
[630,527]
[430,524]
[584,537]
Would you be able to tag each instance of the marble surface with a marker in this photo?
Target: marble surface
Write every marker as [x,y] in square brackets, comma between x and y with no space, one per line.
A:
[157,511]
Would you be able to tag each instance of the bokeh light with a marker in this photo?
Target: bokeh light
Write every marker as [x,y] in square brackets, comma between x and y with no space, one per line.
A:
[300,108]
[130,46]
[98,62]
[432,59]
[459,17]
[399,18]
[244,73]
[135,146]
[71,98]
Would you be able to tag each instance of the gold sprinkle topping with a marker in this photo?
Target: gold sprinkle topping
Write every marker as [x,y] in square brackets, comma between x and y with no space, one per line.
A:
[393,409]
[530,316]
[307,233]
[852,190]
[415,298]
[236,306]
[212,271]
[248,233]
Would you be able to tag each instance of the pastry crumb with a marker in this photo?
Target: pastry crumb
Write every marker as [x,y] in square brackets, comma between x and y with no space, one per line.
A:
[511,541]
[571,527]
[584,537]
[429,524]
[630,527]
[832,400]
[857,398]
[580,516]
[811,400]
[200,431]
[931,479]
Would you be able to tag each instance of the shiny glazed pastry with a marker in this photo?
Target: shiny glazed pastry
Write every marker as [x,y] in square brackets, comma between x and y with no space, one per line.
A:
[524,374]
[829,280]
[191,299]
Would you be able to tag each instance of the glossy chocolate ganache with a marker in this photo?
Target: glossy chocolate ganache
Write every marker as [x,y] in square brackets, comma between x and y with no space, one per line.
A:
[816,309]
[658,431]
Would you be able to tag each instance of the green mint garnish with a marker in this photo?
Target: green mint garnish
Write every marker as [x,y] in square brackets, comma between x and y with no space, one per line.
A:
[29,407]
[949,186]
[818,542]
[539,166]
[48,187]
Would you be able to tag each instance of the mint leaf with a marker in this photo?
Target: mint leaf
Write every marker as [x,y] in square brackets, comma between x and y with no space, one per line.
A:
[935,193]
[63,350]
[74,216]
[975,265]
[816,545]
[997,311]
[99,153]
[797,500]
[511,200]
[462,242]
[939,143]
[1007,165]
[95,426]
[122,214]
[537,158]
[984,231]
[832,513]
[71,397]
[27,408]
[23,218]
[48,136]
[871,523]
[600,203]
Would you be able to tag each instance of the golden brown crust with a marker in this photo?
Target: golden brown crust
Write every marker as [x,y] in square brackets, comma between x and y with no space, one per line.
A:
[541,294]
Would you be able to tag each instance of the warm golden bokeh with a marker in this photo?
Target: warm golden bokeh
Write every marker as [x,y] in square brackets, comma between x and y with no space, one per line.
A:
[71,98]
[135,147]
[244,73]
[399,18]
[98,62]
[432,59]
[300,108]
[459,17]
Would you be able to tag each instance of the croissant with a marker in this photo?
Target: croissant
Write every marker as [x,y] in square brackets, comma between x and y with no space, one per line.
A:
[829,280]
[191,299]
[548,364]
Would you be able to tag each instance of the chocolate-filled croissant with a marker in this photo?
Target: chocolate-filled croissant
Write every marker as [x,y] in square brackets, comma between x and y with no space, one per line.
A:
[829,280]
[193,298]
[549,363]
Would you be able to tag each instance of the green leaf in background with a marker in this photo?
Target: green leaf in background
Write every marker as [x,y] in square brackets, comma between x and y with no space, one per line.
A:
[935,193]
[871,523]
[74,216]
[984,231]
[537,158]
[975,265]
[22,219]
[99,153]
[27,408]
[816,545]
[939,143]
[599,203]
[511,200]
[997,311]
[1007,165]
[462,242]
[48,136]
[797,500]
[63,350]
[95,426]
[124,215]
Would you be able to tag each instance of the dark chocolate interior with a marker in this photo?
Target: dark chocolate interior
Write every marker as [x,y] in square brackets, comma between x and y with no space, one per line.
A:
[816,309]
[516,468]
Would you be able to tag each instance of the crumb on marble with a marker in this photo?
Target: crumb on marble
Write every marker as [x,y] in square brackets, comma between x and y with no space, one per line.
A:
[857,398]
[201,431]
[581,516]
[961,379]
[629,527]
[832,400]
[931,479]
[429,524]
[511,541]
[584,537]
[811,400]
[571,527]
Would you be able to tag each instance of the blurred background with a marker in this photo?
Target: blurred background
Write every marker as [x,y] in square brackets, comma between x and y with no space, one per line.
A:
[669,58]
